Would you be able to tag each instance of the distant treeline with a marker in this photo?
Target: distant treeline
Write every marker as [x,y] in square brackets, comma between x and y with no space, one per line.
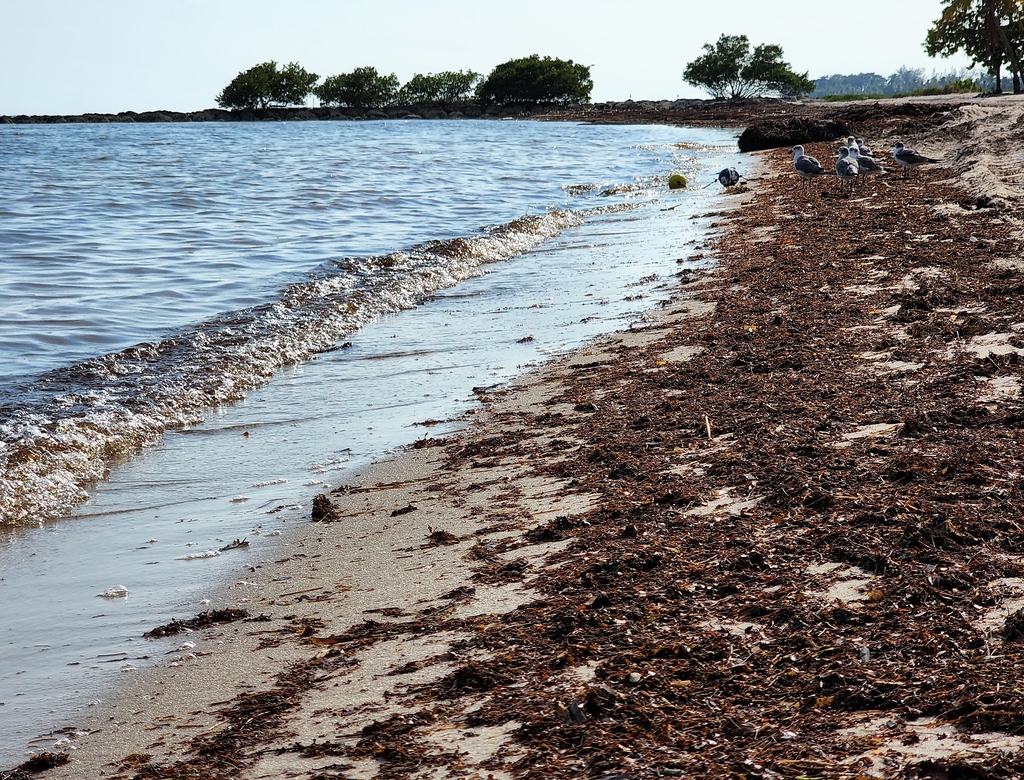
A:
[905,81]
[532,79]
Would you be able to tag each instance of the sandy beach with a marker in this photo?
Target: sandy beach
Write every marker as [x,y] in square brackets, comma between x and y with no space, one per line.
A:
[773,530]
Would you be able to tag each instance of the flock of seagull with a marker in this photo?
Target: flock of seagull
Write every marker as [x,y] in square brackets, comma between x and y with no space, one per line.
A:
[855,159]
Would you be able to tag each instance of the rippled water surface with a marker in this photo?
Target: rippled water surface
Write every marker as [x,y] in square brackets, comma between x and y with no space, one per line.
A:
[116,234]
[153,272]
[204,325]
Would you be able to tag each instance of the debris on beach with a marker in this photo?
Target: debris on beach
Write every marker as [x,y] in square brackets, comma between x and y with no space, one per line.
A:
[235,545]
[39,762]
[428,441]
[440,537]
[460,593]
[202,620]
[1013,628]
[324,510]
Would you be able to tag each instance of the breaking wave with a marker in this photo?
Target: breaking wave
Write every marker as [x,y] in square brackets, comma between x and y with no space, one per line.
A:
[69,425]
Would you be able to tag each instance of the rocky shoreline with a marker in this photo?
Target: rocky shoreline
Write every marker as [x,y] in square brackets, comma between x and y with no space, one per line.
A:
[299,114]
[719,113]
[769,122]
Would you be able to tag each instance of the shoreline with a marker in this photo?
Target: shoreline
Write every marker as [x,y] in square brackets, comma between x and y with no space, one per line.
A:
[398,527]
[416,111]
[434,359]
[690,111]
[772,530]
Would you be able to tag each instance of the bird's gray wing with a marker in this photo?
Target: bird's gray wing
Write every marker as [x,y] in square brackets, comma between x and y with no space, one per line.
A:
[808,165]
[868,163]
[910,157]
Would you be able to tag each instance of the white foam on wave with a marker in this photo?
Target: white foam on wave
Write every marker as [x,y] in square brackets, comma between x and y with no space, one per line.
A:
[198,556]
[119,592]
[111,407]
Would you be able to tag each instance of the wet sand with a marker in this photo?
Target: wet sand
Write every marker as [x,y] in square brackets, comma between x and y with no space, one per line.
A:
[773,530]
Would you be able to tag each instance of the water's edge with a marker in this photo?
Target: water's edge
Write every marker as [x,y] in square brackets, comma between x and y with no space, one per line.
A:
[247,469]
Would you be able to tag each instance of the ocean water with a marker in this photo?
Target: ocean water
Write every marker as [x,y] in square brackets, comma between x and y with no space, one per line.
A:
[206,325]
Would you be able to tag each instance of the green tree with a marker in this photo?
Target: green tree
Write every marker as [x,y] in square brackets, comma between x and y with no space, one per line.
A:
[362,88]
[729,69]
[537,80]
[440,88]
[265,85]
[990,32]
[293,85]
[850,84]
[252,88]
[905,80]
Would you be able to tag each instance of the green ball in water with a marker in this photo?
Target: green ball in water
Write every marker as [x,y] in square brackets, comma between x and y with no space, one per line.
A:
[677,182]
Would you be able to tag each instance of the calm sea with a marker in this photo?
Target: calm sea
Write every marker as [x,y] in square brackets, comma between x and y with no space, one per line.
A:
[205,325]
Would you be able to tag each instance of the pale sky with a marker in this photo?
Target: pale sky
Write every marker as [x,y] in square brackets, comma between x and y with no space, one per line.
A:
[75,56]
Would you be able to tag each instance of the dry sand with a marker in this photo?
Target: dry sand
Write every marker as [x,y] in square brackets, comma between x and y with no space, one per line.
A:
[315,676]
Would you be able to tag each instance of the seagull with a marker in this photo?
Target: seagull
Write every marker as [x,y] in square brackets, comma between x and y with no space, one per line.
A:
[865,162]
[729,177]
[806,167]
[864,150]
[847,168]
[908,158]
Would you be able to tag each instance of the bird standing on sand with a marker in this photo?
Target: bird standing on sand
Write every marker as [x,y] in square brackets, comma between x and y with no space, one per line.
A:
[806,167]
[846,167]
[865,162]
[908,158]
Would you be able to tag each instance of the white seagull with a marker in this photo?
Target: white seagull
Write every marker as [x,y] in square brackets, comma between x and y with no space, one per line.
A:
[908,158]
[846,167]
[806,167]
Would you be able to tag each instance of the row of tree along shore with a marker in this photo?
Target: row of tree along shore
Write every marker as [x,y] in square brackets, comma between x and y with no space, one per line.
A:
[532,79]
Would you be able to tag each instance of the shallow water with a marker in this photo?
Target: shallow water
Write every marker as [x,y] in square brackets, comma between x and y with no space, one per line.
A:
[311,423]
